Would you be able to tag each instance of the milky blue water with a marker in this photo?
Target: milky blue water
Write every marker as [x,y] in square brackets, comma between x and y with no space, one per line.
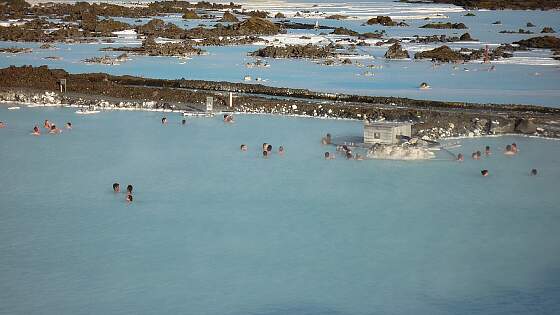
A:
[213,230]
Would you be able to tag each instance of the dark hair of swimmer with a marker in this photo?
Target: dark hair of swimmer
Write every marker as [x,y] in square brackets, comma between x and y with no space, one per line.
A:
[327,155]
[345,147]
[478,153]
[36,129]
[508,147]
[129,188]
[116,187]
[487,148]
[53,127]
[69,124]
[184,121]
[484,172]
[460,156]
[534,172]
[129,198]
[225,116]
[269,148]
[514,145]
[265,153]
[348,155]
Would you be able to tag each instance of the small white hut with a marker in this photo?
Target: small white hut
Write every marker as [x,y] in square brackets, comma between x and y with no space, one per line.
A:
[386,132]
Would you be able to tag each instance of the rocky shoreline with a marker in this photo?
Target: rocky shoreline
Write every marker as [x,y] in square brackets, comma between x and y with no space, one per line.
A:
[432,119]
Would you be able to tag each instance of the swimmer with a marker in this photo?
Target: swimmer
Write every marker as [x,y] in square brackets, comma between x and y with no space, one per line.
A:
[47,124]
[2,125]
[326,139]
[349,155]
[484,173]
[269,148]
[129,190]
[164,120]
[228,118]
[54,130]
[265,154]
[509,150]
[460,157]
[265,145]
[36,131]
[68,125]
[514,148]
[243,147]
[281,150]
[487,151]
[478,155]
[129,198]
[116,187]
[473,155]
[533,172]
[327,155]
[184,122]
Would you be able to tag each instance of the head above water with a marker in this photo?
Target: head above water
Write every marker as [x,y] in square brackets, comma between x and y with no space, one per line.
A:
[184,121]
[281,149]
[534,172]
[508,147]
[269,148]
[327,155]
[129,198]
[116,187]
[484,172]
[265,153]
[129,188]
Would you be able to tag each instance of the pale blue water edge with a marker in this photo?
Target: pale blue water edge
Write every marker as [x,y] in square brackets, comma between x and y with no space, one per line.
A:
[529,78]
[213,230]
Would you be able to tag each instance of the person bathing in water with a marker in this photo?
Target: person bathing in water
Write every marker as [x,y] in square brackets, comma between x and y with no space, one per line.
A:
[129,190]
[129,198]
[116,187]
[228,118]
[484,173]
[68,125]
[327,139]
[487,151]
[54,130]
[243,147]
[329,156]
[183,122]
[460,157]
[514,148]
[2,124]
[509,150]
[36,131]
[164,120]
[47,124]
[281,150]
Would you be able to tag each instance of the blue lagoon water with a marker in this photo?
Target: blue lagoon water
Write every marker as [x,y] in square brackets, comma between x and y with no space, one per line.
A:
[213,230]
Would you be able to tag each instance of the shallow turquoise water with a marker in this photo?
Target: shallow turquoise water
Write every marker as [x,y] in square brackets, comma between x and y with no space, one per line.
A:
[213,230]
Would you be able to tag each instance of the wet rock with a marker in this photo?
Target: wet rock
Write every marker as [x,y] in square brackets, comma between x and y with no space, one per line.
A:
[520,31]
[279,15]
[190,15]
[470,14]
[448,25]
[15,50]
[228,17]
[529,24]
[295,51]
[548,42]
[344,31]
[336,17]
[548,30]
[370,35]
[466,38]
[396,51]
[383,20]
[442,54]
[525,126]
[255,26]
[497,23]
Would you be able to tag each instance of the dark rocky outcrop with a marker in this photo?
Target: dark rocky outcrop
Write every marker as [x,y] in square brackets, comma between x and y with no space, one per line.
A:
[547,42]
[228,17]
[529,24]
[448,25]
[396,51]
[336,17]
[525,126]
[190,15]
[15,50]
[296,51]
[383,20]
[344,31]
[519,31]
[442,54]
[548,30]
[279,15]
[255,26]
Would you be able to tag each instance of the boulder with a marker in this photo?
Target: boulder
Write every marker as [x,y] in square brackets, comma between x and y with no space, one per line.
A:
[547,42]
[443,54]
[396,51]
[383,20]
[228,17]
[525,126]
[547,30]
